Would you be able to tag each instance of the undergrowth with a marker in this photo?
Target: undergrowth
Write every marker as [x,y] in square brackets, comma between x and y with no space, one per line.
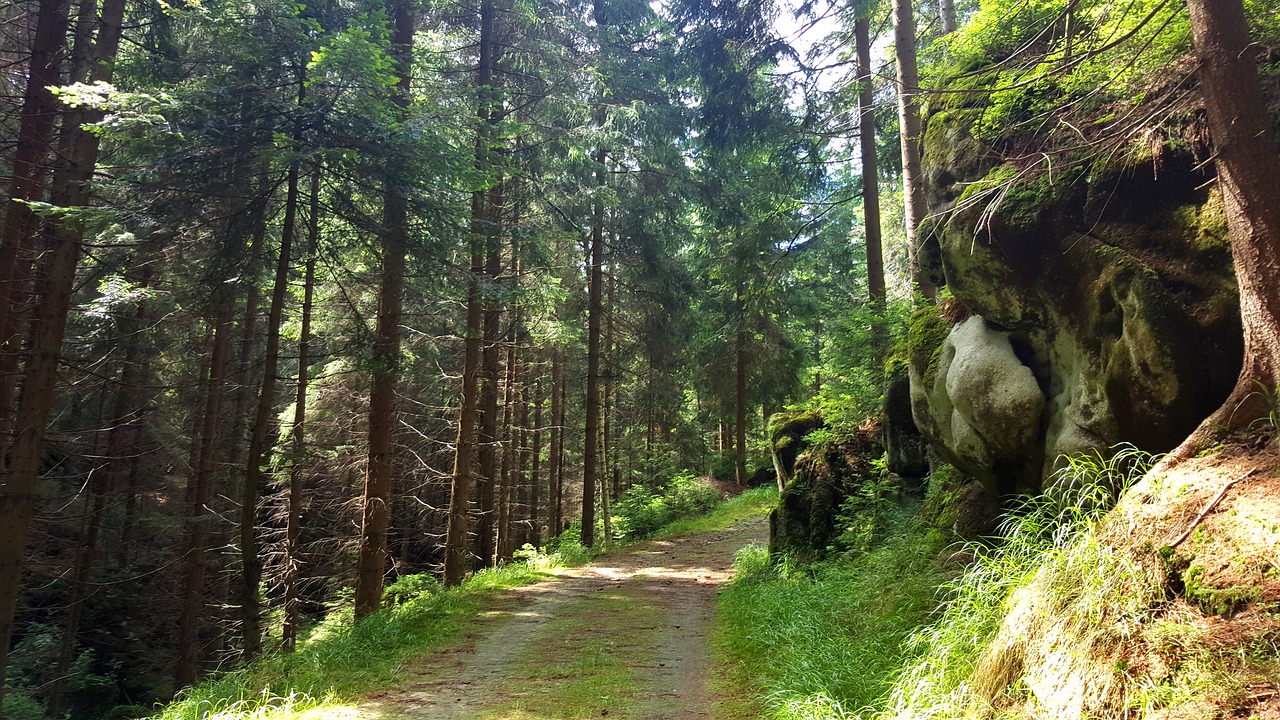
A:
[1050,538]
[825,640]
[740,507]
[340,658]
[887,633]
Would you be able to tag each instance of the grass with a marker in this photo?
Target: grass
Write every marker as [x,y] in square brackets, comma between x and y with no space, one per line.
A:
[888,634]
[826,641]
[584,663]
[339,660]
[750,503]
[1051,565]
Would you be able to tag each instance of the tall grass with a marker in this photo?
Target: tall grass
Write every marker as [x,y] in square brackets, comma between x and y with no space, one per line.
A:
[889,634]
[1047,537]
[826,641]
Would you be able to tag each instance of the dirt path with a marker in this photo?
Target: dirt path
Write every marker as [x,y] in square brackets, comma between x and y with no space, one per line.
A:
[625,637]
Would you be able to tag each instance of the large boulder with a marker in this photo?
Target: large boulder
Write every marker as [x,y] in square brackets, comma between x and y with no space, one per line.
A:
[806,523]
[787,431]
[1089,308]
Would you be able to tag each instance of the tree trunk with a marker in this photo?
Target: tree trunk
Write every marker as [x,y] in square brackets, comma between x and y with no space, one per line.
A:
[386,349]
[740,390]
[17,505]
[904,41]
[595,309]
[554,514]
[870,185]
[535,477]
[1248,167]
[502,543]
[251,563]
[199,492]
[21,225]
[947,11]
[455,563]
[521,514]
[293,523]
[486,549]
[564,430]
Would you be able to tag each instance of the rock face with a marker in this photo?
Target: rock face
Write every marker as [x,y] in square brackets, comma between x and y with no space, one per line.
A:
[1090,308]
[786,441]
[806,523]
[906,451]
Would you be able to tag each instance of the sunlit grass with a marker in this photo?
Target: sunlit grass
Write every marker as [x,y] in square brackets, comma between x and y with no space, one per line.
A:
[825,641]
[341,659]
[750,503]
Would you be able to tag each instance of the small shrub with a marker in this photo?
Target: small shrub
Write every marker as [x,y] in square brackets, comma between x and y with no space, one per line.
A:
[641,511]
[20,707]
[409,587]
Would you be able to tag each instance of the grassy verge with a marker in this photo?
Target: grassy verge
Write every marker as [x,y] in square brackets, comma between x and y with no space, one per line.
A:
[750,503]
[827,641]
[341,659]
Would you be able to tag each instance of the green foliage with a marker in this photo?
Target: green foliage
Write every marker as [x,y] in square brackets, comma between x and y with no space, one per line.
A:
[408,588]
[641,511]
[568,547]
[867,513]
[1051,531]
[18,706]
[753,502]
[825,641]
[1020,50]
[1215,600]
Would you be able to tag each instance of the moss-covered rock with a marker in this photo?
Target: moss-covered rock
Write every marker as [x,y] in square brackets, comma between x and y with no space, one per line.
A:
[1106,302]
[906,451]
[787,431]
[806,523]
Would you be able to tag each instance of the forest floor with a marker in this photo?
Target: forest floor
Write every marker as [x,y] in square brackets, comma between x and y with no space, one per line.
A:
[624,637]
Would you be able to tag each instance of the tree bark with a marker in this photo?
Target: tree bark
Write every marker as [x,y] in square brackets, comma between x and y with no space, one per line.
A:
[870,185]
[595,309]
[502,508]
[740,389]
[199,492]
[21,225]
[947,12]
[486,543]
[904,34]
[251,563]
[18,504]
[535,477]
[293,522]
[455,563]
[1248,166]
[386,351]
[554,514]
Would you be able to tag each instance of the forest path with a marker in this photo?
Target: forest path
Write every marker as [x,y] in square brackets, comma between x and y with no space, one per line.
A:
[624,637]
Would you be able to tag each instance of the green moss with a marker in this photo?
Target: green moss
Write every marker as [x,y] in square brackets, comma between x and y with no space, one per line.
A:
[1213,600]
[938,510]
[925,336]
[793,422]
[1210,223]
